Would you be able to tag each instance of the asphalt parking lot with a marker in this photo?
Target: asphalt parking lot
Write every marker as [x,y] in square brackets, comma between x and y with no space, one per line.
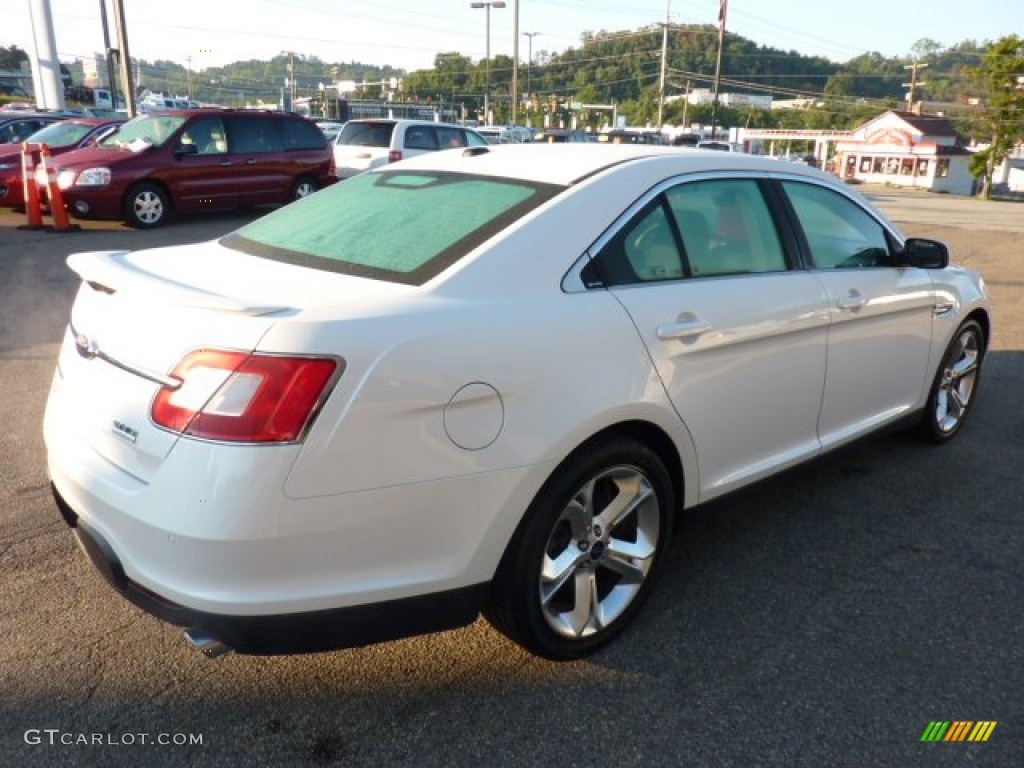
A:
[823,618]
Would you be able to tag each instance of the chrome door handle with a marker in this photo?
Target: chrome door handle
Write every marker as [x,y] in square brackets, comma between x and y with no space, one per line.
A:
[685,327]
[852,301]
[225,162]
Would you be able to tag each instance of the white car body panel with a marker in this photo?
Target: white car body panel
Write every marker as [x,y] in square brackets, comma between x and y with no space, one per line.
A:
[460,396]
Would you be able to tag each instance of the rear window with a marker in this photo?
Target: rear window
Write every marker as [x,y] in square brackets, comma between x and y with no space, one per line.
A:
[366,134]
[399,226]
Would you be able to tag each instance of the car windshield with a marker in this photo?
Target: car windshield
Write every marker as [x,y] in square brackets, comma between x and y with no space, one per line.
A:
[400,226]
[62,134]
[145,131]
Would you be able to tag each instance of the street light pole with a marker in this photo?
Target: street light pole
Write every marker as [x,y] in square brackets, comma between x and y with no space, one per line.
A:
[487,63]
[529,59]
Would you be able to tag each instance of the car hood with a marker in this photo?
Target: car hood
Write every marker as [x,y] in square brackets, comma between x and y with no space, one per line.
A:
[88,157]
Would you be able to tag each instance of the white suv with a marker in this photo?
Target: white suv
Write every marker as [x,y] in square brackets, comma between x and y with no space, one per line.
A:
[365,144]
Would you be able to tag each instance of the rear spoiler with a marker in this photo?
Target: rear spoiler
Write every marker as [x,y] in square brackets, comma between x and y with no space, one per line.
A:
[111,272]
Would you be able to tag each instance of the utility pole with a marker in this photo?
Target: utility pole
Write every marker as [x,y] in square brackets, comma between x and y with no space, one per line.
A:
[913,84]
[664,54]
[686,103]
[515,62]
[718,66]
[111,56]
[125,58]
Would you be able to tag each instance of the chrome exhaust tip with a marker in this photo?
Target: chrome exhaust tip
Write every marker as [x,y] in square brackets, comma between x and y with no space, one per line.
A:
[203,641]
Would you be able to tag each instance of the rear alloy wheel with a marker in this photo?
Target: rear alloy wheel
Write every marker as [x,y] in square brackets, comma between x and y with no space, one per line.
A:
[146,206]
[956,382]
[586,553]
[304,187]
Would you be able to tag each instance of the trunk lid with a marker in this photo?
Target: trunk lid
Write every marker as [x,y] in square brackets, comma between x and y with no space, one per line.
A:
[138,313]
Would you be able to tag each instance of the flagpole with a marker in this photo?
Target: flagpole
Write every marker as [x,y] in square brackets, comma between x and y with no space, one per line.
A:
[718,66]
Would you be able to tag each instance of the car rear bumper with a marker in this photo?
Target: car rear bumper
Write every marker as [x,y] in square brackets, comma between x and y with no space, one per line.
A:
[300,632]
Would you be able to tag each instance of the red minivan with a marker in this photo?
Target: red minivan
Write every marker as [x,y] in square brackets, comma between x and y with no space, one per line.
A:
[194,160]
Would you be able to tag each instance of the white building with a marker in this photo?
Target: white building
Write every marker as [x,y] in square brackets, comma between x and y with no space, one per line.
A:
[908,150]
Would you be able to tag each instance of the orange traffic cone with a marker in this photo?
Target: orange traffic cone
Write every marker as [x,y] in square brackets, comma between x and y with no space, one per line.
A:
[33,209]
[61,223]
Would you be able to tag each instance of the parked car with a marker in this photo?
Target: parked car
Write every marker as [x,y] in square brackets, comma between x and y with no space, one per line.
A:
[505,134]
[371,143]
[330,128]
[632,137]
[484,381]
[561,136]
[17,125]
[720,146]
[60,137]
[194,160]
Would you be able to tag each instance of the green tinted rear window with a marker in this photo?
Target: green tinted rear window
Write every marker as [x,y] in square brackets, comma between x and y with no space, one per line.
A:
[400,226]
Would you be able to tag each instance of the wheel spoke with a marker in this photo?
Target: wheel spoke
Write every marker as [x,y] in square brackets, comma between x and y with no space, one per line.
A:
[965,367]
[641,549]
[633,491]
[629,572]
[582,613]
[557,571]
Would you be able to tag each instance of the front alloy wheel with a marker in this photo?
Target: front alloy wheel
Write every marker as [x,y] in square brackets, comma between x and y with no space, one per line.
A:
[146,207]
[586,552]
[956,382]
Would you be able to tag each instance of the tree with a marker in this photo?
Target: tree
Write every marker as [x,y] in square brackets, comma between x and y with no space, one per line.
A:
[11,58]
[1000,77]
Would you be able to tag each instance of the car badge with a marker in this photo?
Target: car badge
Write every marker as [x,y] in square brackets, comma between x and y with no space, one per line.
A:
[123,430]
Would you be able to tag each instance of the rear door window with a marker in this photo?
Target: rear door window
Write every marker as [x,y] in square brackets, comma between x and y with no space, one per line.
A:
[420,137]
[254,135]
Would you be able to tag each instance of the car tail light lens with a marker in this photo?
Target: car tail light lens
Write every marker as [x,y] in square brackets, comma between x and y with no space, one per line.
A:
[394,155]
[239,397]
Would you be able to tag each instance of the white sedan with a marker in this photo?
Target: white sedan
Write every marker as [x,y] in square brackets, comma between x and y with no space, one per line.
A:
[484,380]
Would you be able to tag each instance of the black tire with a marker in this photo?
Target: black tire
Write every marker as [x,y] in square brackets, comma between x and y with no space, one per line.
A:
[955,386]
[146,206]
[568,551]
[304,187]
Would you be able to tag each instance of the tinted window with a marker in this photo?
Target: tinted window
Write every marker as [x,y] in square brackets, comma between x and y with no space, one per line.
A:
[443,217]
[448,138]
[301,134]
[645,249]
[420,137]
[726,227]
[254,135]
[366,134]
[840,234]
[700,229]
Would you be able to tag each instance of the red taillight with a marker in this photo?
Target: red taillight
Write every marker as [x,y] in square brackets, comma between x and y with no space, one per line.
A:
[238,397]
[394,155]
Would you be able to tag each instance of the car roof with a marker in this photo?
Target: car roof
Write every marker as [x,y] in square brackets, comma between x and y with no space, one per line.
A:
[566,164]
[410,121]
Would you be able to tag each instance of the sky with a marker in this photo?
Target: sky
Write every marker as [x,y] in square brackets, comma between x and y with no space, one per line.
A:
[409,33]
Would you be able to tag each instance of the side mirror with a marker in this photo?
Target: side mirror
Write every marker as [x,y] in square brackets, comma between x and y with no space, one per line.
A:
[923,253]
[186,149]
